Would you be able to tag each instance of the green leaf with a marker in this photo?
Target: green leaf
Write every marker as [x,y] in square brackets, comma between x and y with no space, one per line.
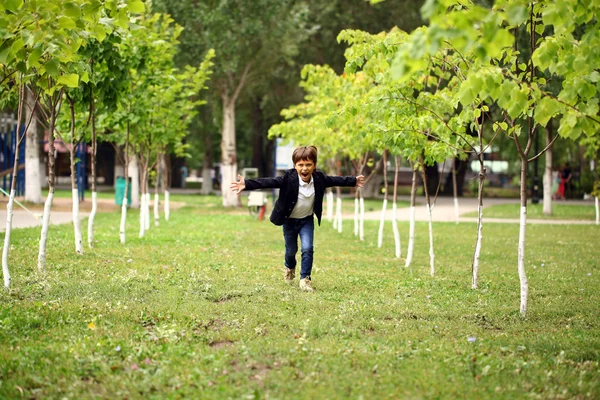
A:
[52,67]
[32,60]
[546,109]
[516,14]
[66,23]
[12,5]
[72,10]
[136,6]
[70,80]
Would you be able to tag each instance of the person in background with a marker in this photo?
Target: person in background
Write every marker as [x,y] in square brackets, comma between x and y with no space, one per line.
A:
[184,175]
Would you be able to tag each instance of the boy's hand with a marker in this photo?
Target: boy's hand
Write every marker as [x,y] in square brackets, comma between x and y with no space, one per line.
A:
[360,181]
[239,185]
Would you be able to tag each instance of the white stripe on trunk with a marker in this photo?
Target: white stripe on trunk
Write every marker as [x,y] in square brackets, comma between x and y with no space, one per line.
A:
[338,213]
[156,214]
[361,229]
[9,216]
[330,202]
[167,205]
[123,219]
[396,232]
[431,253]
[142,217]
[356,216]
[411,237]
[521,262]
[92,218]
[147,211]
[44,233]
[476,256]
[597,211]
[381,224]
[77,222]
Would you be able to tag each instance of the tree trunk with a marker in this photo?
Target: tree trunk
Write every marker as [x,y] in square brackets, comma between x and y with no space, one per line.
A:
[548,173]
[13,184]
[429,210]
[124,205]
[50,198]
[338,210]
[521,247]
[134,173]
[411,231]
[156,202]
[33,180]
[207,166]
[385,199]
[329,198]
[167,186]
[356,214]
[397,243]
[477,253]
[92,216]
[228,154]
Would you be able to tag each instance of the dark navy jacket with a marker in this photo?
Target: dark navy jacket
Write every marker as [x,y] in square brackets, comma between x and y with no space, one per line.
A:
[288,186]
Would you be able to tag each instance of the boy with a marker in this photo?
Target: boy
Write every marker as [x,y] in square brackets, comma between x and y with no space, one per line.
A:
[301,192]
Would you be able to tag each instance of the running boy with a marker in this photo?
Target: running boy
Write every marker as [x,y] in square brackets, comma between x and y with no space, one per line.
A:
[301,192]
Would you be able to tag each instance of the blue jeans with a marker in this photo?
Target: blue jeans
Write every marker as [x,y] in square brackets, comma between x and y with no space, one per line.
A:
[305,228]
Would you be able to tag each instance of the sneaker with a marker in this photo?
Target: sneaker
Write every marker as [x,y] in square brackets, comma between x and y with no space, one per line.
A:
[306,285]
[289,275]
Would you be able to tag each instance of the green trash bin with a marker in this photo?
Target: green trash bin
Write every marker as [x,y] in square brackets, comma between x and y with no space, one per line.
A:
[120,191]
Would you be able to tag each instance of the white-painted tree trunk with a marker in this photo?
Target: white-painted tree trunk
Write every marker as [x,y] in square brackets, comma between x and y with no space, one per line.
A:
[228,153]
[411,237]
[411,229]
[330,201]
[597,211]
[477,254]
[92,219]
[122,236]
[167,205]
[397,243]
[142,216]
[547,207]
[431,252]
[521,262]
[361,226]
[134,174]
[44,232]
[77,222]
[33,178]
[147,210]
[381,224]
[156,213]
[9,216]
[356,216]
[338,213]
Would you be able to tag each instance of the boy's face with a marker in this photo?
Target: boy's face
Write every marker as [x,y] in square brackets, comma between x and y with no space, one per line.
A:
[305,168]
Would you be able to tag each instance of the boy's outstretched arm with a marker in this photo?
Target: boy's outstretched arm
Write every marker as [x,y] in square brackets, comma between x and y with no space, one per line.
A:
[360,181]
[239,185]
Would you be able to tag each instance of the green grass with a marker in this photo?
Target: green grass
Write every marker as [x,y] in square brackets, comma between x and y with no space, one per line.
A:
[535,211]
[198,309]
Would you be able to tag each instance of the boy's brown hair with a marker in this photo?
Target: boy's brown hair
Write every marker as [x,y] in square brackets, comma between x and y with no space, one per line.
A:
[305,153]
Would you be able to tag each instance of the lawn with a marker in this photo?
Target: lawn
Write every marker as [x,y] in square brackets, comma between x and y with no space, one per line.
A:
[198,309]
[535,211]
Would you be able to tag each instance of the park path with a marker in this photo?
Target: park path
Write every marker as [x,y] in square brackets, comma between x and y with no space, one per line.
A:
[443,211]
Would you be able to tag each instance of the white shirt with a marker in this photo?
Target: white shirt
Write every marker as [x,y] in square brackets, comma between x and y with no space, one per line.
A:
[306,199]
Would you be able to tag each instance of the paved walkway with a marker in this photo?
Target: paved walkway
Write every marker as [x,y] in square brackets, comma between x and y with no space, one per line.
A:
[443,211]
